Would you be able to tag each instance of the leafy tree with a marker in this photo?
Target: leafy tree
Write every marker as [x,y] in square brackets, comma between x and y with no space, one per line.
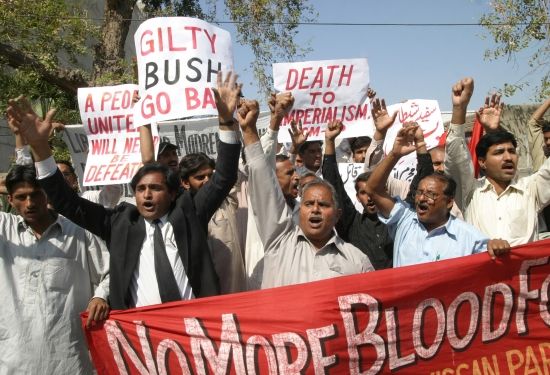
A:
[516,25]
[39,48]
[42,46]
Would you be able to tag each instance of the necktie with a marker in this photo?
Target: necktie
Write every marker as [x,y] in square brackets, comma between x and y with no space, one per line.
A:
[168,287]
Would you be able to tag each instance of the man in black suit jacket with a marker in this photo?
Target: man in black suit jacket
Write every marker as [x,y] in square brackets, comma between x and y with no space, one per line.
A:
[125,228]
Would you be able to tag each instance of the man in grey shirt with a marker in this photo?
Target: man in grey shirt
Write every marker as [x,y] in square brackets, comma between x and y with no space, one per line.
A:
[294,254]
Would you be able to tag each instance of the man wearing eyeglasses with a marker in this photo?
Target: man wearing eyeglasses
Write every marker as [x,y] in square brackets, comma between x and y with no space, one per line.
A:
[426,232]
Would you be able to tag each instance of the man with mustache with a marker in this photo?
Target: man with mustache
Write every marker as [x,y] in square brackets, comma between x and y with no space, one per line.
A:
[158,248]
[52,270]
[428,232]
[498,204]
[294,254]
[364,229]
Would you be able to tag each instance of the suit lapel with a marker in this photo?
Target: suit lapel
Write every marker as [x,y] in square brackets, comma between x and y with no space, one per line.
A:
[179,223]
[134,243]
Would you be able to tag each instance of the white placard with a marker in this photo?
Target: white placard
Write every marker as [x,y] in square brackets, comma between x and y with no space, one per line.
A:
[114,148]
[178,59]
[349,172]
[428,115]
[325,91]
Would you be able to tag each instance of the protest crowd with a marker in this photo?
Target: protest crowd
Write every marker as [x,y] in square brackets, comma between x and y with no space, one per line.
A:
[264,214]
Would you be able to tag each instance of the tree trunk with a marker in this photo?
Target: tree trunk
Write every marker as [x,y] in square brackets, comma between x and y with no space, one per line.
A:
[109,52]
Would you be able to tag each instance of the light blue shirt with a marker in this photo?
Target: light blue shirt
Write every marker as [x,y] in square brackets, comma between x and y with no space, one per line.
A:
[413,244]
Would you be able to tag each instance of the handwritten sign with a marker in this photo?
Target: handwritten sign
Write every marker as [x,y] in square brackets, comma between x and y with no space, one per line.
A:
[76,139]
[113,141]
[178,61]
[325,91]
[349,172]
[428,115]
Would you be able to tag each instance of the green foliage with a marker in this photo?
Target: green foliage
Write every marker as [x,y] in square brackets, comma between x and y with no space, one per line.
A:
[269,28]
[516,25]
[52,33]
[125,75]
[185,8]
[57,32]
[42,29]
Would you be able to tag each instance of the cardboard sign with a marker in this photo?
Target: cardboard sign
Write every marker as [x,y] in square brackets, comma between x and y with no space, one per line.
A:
[325,91]
[468,315]
[200,135]
[349,172]
[76,139]
[178,61]
[113,141]
[428,115]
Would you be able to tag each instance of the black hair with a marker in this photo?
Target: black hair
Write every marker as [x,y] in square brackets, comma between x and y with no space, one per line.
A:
[192,163]
[171,178]
[320,182]
[546,126]
[356,143]
[303,148]
[68,164]
[363,177]
[21,173]
[279,158]
[450,185]
[493,138]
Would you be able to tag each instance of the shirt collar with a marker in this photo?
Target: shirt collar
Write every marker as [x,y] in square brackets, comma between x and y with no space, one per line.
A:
[58,223]
[336,241]
[162,220]
[487,185]
[449,226]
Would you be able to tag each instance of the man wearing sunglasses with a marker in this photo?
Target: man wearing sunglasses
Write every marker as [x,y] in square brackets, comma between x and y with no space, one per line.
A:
[426,232]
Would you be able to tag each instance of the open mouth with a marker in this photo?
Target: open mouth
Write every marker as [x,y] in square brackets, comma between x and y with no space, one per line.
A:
[422,207]
[148,205]
[315,221]
[508,168]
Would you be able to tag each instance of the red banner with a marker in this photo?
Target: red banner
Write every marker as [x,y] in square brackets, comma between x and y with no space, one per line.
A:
[469,315]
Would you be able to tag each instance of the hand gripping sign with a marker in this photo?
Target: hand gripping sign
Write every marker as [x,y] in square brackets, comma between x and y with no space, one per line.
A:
[324,91]
[178,61]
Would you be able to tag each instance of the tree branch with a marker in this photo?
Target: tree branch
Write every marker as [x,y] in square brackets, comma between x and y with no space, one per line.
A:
[67,80]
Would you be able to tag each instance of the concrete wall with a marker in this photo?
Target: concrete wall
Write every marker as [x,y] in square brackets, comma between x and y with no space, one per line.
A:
[7,145]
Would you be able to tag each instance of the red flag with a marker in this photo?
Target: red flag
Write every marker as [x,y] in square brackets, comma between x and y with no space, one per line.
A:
[442,140]
[477,132]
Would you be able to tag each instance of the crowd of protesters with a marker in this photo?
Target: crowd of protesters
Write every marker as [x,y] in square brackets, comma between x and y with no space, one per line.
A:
[257,217]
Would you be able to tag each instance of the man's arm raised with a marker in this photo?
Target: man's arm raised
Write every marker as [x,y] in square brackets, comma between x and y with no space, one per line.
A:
[382,122]
[273,216]
[332,175]
[458,162]
[376,184]
[88,215]
[209,198]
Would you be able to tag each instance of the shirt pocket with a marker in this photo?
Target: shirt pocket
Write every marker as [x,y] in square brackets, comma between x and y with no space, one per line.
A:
[59,274]
[519,222]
